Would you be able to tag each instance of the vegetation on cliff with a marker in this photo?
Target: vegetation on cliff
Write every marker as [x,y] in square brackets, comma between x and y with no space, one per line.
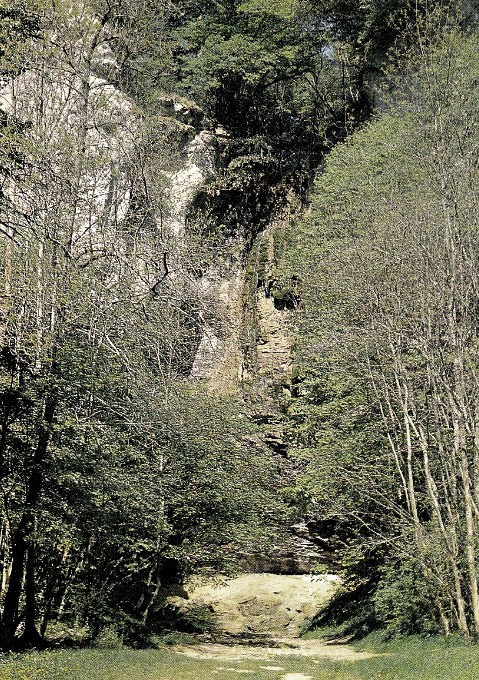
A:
[111,479]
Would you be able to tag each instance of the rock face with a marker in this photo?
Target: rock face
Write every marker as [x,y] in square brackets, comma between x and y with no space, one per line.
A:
[219,355]
[274,351]
[251,352]
[260,603]
[85,131]
[95,138]
[303,547]
[197,160]
[194,162]
[275,356]
[221,360]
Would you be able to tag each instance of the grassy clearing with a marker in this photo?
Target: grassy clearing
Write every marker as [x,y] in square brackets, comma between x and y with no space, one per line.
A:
[405,659]
[147,665]
[421,659]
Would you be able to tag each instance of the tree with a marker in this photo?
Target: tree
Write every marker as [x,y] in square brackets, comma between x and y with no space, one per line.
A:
[393,275]
[254,66]
[19,22]
[103,455]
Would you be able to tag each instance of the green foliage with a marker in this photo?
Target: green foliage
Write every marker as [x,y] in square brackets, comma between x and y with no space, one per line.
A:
[176,638]
[20,22]
[372,24]
[373,257]
[259,70]
[371,28]
[331,423]
[108,638]
[141,39]
[401,601]
[135,506]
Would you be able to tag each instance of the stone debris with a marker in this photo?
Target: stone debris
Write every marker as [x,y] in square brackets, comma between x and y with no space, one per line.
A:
[311,649]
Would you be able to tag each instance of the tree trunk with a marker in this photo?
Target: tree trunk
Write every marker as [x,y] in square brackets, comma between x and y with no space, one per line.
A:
[30,636]
[23,539]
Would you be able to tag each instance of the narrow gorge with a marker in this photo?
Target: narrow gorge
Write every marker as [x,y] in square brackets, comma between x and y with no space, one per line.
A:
[238,326]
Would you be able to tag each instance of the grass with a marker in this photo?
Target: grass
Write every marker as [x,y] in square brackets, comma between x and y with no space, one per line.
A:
[413,658]
[146,664]
[421,659]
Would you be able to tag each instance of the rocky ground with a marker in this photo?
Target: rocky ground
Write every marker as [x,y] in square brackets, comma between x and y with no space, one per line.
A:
[284,647]
[273,605]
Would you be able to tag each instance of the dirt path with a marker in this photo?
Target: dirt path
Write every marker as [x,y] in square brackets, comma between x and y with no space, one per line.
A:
[292,659]
[271,609]
[287,647]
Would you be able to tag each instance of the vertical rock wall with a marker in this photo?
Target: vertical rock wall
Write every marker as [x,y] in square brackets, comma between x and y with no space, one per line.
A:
[267,337]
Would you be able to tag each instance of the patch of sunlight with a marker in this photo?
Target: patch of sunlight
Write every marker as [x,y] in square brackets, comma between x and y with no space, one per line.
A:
[239,670]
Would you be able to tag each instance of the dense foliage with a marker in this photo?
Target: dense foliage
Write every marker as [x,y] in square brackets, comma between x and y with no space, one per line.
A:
[387,414]
[111,481]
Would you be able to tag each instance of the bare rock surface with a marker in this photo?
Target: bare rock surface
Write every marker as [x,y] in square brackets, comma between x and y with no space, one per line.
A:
[276,604]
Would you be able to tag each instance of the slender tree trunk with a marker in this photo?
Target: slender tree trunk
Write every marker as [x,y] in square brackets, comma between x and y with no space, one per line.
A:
[30,636]
[470,542]
[152,599]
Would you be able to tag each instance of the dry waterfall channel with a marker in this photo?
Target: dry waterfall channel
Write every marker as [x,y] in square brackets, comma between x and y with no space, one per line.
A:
[266,613]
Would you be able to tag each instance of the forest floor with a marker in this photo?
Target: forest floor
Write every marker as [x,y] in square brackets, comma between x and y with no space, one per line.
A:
[409,659]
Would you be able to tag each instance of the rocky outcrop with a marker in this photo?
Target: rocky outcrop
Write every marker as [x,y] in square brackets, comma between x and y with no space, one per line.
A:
[196,157]
[267,321]
[218,357]
[274,346]
[194,161]
[306,546]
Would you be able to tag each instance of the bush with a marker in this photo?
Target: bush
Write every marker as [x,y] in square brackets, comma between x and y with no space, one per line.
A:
[108,638]
[401,602]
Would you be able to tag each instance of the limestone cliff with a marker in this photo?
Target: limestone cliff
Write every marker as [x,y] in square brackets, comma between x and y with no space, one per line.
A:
[254,605]
[128,182]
